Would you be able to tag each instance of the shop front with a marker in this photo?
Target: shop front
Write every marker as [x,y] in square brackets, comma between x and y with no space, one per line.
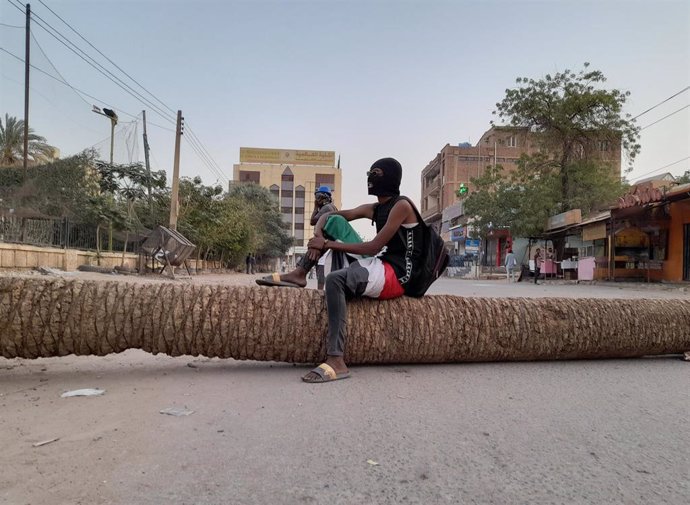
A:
[497,242]
[593,252]
[650,233]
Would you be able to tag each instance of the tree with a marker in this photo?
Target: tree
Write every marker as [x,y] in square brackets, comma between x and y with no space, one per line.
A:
[523,200]
[212,221]
[487,203]
[45,318]
[62,188]
[268,238]
[122,186]
[683,179]
[571,116]
[12,144]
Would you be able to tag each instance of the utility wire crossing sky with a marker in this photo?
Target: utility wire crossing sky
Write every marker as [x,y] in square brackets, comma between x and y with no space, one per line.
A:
[365,79]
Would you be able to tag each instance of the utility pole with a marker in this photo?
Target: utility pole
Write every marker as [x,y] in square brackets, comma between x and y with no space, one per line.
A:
[148,164]
[27,66]
[174,203]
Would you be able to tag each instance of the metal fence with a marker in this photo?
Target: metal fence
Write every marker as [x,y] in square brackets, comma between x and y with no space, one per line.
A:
[64,234]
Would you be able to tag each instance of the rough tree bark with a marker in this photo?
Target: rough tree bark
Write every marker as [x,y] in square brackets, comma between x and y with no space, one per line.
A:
[42,318]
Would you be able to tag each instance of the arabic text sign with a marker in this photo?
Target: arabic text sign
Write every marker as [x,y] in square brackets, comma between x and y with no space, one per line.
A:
[287,156]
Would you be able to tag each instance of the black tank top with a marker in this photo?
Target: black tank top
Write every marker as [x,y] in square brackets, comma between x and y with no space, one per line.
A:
[403,249]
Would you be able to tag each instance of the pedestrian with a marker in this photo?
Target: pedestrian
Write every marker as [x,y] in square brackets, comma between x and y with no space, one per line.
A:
[248,261]
[380,268]
[537,265]
[510,263]
[283,267]
[549,264]
[323,205]
[252,263]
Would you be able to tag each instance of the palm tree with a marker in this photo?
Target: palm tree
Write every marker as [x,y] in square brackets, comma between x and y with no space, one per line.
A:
[43,318]
[12,144]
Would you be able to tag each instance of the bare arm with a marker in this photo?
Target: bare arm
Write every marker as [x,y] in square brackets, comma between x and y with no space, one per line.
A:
[401,212]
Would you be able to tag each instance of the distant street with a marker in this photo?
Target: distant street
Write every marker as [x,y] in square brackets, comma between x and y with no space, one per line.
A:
[583,432]
[558,289]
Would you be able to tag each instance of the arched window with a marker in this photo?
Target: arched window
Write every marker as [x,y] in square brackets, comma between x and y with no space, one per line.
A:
[287,184]
[275,190]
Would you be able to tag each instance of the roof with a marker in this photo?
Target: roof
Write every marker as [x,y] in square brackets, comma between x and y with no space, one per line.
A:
[643,195]
[595,218]
[661,177]
[678,192]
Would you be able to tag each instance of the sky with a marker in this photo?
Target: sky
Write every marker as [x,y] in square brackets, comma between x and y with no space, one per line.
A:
[366,79]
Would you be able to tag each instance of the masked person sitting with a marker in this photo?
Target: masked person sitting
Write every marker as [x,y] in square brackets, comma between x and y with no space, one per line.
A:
[378,269]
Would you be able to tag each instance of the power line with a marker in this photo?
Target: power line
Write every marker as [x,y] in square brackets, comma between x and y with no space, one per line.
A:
[49,100]
[665,117]
[56,70]
[665,166]
[662,102]
[218,171]
[10,26]
[53,32]
[203,153]
[193,140]
[204,157]
[111,61]
[77,90]
[17,7]
[60,81]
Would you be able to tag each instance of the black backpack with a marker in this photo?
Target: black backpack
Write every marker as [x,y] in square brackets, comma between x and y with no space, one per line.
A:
[430,266]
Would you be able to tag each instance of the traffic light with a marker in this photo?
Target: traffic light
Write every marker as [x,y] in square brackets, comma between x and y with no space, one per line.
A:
[462,190]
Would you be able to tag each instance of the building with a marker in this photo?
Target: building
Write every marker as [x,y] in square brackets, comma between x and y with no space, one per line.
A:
[454,166]
[646,236]
[292,176]
[651,233]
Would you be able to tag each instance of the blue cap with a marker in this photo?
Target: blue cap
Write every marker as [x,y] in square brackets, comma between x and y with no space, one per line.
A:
[323,189]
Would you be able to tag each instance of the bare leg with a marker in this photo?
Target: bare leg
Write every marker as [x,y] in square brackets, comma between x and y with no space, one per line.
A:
[335,362]
[297,276]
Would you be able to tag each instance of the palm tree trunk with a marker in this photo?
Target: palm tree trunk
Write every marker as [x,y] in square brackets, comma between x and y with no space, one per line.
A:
[42,318]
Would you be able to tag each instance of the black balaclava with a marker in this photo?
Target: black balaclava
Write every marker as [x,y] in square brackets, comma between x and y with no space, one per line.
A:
[387,184]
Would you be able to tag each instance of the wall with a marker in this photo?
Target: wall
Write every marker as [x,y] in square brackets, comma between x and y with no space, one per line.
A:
[20,256]
[673,266]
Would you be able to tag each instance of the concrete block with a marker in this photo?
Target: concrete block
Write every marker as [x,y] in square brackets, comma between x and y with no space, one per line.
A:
[20,259]
[7,258]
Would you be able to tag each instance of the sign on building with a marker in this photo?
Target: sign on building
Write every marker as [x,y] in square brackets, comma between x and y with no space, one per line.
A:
[472,245]
[457,233]
[566,218]
[285,156]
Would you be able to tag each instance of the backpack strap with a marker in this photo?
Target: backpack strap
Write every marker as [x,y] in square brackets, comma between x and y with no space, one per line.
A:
[419,216]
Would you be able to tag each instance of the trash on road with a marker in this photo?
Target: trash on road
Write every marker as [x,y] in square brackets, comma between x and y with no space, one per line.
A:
[177,411]
[372,462]
[46,442]
[83,392]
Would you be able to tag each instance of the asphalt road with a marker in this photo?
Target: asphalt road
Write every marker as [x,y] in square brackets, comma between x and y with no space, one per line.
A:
[583,432]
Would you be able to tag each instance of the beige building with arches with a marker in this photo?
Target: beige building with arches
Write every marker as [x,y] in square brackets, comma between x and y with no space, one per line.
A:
[292,176]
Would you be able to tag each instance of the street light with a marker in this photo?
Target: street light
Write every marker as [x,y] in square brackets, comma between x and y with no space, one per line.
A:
[110,114]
